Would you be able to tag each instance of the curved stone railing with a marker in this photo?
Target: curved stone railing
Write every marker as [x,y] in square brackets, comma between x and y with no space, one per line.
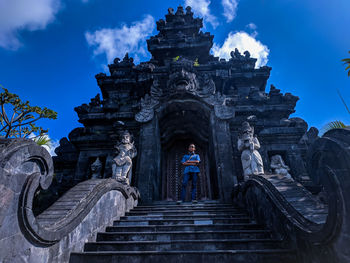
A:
[321,234]
[65,226]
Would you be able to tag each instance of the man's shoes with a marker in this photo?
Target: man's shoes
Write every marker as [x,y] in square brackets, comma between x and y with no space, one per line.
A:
[178,202]
[194,201]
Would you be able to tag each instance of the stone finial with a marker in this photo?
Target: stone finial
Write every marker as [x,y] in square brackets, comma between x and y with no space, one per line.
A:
[189,10]
[170,11]
[128,59]
[180,11]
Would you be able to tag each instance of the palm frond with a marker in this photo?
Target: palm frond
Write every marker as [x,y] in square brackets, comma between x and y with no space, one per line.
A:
[347,62]
[333,125]
[43,140]
[342,99]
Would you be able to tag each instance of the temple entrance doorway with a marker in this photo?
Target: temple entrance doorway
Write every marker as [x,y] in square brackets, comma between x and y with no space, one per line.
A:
[174,172]
[180,126]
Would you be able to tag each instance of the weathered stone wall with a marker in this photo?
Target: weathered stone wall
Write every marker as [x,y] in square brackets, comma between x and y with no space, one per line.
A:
[50,237]
[315,241]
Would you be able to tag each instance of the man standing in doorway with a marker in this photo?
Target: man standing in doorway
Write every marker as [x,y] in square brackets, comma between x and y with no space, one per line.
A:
[191,162]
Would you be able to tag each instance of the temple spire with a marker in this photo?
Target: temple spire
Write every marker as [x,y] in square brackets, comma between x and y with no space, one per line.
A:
[180,35]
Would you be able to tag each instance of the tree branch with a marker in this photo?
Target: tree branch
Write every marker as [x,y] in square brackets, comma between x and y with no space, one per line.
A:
[29,122]
[4,114]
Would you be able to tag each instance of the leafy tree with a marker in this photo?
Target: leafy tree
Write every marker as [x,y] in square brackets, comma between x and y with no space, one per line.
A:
[347,63]
[18,118]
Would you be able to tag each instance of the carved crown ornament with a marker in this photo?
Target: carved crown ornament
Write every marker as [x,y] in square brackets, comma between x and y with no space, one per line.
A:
[183,80]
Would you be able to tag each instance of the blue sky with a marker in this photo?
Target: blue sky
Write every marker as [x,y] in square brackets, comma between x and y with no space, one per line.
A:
[50,50]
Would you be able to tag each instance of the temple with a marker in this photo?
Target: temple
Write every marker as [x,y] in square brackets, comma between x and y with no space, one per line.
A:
[183,94]
[269,190]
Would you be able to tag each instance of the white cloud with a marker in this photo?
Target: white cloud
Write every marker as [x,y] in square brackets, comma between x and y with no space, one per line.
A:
[252,26]
[115,42]
[17,15]
[230,9]
[201,8]
[242,41]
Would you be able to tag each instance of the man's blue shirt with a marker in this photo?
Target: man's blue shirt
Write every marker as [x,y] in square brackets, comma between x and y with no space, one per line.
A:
[191,157]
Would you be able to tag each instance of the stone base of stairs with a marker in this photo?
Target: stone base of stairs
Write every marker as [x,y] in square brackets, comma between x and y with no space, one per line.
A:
[203,232]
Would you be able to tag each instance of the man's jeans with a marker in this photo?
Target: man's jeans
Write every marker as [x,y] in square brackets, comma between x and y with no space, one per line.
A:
[189,176]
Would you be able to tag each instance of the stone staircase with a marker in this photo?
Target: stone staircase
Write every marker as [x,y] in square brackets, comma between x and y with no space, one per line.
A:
[203,232]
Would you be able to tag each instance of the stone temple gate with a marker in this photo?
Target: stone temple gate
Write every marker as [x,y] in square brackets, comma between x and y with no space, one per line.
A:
[150,113]
[183,95]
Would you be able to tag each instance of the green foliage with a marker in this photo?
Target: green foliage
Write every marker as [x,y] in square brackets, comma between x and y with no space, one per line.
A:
[23,116]
[43,140]
[176,58]
[196,64]
[333,125]
[347,63]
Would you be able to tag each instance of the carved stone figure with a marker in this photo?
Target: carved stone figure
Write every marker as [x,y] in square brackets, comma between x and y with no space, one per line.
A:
[279,167]
[122,163]
[147,109]
[96,168]
[181,79]
[251,159]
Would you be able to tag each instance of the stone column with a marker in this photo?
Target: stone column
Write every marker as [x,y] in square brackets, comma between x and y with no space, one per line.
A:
[222,147]
[148,172]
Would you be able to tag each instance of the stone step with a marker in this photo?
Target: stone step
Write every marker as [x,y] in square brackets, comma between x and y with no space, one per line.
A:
[205,244]
[189,210]
[190,227]
[164,203]
[182,216]
[182,235]
[198,221]
[180,212]
[185,205]
[237,256]
[189,206]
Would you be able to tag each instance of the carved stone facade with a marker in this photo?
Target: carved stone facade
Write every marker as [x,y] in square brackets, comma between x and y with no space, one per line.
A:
[183,94]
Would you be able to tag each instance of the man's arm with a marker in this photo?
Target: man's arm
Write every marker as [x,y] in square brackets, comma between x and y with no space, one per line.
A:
[188,163]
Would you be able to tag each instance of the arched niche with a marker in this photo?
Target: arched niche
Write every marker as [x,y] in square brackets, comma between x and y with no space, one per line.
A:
[182,122]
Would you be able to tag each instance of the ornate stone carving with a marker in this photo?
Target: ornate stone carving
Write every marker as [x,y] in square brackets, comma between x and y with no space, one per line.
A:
[94,106]
[221,109]
[122,162]
[243,61]
[206,85]
[96,168]
[181,79]
[279,167]
[147,109]
[251,159]
[156,90]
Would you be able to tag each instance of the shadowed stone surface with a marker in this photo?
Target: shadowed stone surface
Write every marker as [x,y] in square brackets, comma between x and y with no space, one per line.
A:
[288,209]
[230,236]
[67,224]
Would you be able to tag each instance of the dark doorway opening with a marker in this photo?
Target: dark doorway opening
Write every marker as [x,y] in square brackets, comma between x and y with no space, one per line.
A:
[173,171]
[181,124]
